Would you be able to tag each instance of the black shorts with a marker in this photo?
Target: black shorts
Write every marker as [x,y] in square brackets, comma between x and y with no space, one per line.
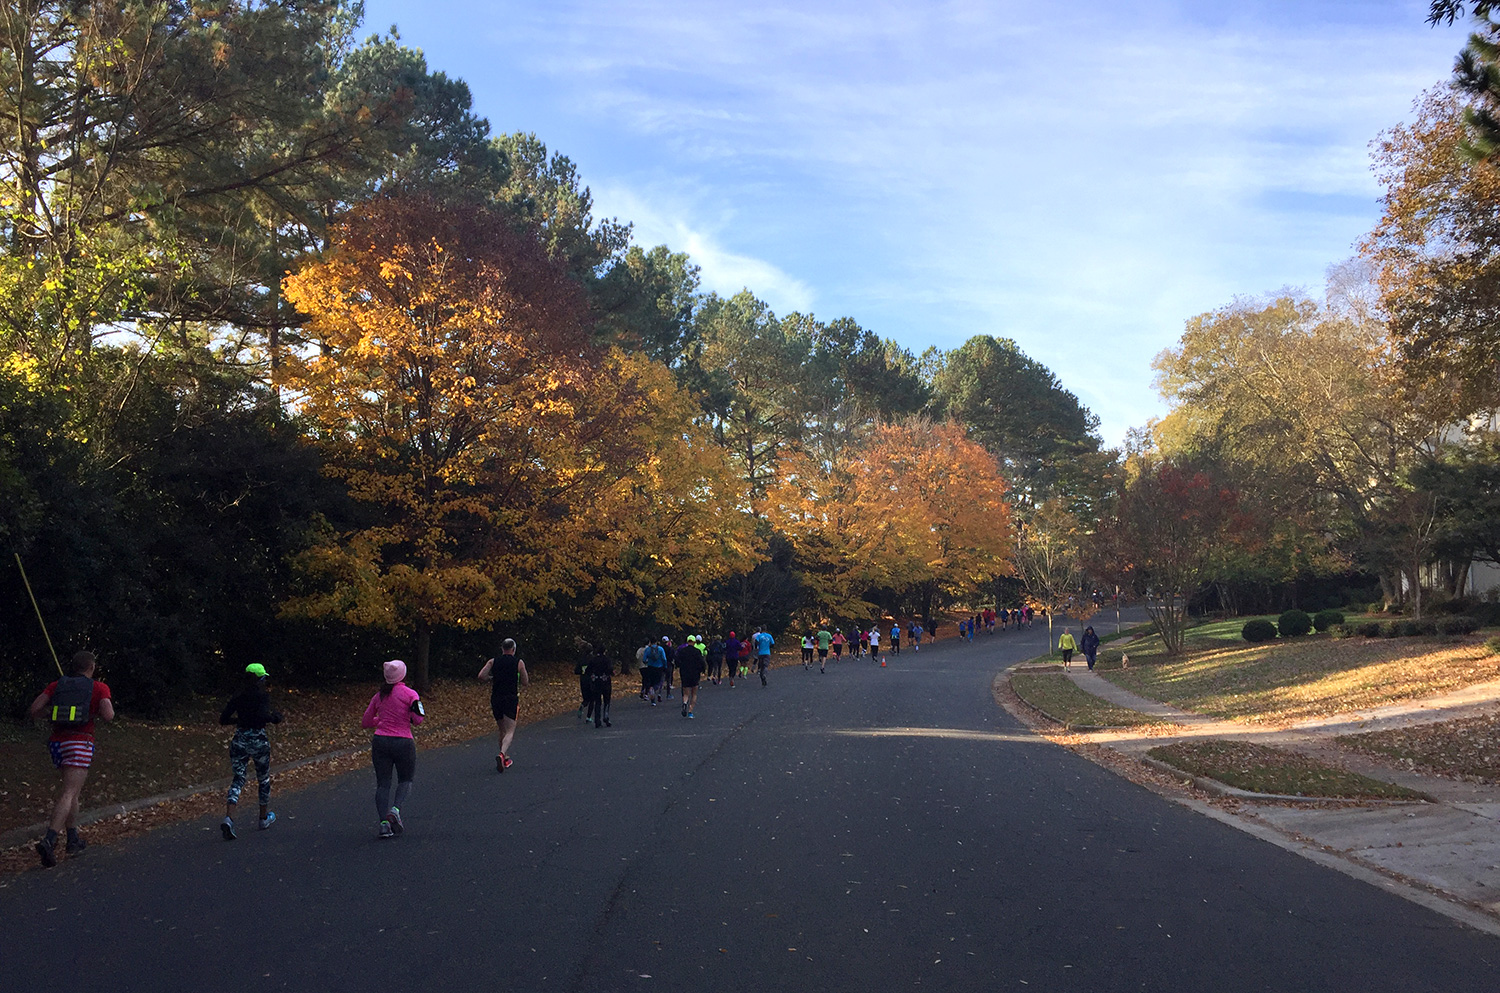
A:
[654,675]
[822,653]
[505,707]
[688,682]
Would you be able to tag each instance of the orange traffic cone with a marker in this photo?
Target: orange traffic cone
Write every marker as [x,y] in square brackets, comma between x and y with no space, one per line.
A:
[882,661]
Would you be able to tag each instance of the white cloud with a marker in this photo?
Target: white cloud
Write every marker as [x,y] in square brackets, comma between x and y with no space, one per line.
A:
[721,270]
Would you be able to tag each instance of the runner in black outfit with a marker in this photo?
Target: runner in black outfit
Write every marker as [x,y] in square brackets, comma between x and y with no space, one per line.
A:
[598,672]
[507,674]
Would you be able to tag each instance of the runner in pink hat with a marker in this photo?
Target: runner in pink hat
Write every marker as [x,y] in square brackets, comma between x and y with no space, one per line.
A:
[392,713]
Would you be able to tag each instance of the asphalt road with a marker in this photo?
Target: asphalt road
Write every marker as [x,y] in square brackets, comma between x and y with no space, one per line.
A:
[868,829]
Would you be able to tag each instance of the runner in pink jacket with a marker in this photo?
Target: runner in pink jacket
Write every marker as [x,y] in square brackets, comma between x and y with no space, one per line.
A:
[392,713]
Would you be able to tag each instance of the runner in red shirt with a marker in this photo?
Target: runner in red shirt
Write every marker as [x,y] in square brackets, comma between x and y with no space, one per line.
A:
[71,745]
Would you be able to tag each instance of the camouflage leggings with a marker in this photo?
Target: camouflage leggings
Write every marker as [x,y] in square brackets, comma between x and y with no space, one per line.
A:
[250,744]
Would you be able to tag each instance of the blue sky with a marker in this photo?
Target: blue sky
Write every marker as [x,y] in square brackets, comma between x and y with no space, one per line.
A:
[1079,177]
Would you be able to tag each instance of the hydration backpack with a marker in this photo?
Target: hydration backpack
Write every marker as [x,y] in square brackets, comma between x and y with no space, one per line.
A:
[71,702]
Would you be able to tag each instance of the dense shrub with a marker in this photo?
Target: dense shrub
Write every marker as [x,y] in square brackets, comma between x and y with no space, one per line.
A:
[1325,619]
[1458,625]
[1391,629]
[1258,630]
[1457,605]
[1294,623]
[1376,606]
[1370,629]
[1493,644]
[1344,631]
[1409,629]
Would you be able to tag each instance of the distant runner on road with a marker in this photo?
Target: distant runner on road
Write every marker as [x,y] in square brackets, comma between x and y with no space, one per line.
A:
[507,674]
[763,645]
[690,670]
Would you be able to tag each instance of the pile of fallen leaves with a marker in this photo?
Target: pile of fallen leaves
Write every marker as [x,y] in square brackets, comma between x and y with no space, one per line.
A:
[1468,748]
[1263,769]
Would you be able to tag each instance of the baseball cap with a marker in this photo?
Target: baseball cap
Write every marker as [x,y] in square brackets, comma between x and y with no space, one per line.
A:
[257,670]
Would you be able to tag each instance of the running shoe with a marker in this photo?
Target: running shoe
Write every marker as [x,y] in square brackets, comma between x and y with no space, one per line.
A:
[395,818]
[386,831]
[684,710]
[607,723]
[690,713]
[506,759]
[227,828]
[823,670]
[499,763]
[49,857]
[268,820]
[75,846]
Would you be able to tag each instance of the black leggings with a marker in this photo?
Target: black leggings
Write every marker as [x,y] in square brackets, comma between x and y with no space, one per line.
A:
[601,690]
[389,753]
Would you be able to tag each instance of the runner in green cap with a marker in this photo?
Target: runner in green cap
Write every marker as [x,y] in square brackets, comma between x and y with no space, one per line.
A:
[250,711]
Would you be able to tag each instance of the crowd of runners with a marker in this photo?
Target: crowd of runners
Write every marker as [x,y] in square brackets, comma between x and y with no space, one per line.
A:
[75,701]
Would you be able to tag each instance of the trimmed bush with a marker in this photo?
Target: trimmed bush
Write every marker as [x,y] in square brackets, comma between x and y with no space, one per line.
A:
[1408,629]
[1458,625]
[1375,607]
[1341,631]
[1293,623]
[1370,629]
[1258,630]
[1391,629]
[1493,644]
[1325,619]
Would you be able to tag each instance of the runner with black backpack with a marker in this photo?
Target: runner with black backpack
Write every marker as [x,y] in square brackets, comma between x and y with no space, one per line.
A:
[71,703]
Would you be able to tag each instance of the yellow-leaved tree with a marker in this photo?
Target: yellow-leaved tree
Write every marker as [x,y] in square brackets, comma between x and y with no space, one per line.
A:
[497,452]
[916,507]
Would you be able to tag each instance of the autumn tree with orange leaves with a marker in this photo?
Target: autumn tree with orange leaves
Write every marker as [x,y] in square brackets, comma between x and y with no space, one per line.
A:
[458,395]
[916,507]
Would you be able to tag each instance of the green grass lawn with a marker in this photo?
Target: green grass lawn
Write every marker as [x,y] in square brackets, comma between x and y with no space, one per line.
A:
[1282,681]
[1262,769]
[1058,698]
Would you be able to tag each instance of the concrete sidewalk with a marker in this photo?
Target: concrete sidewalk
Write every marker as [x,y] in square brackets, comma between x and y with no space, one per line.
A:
[1451,846]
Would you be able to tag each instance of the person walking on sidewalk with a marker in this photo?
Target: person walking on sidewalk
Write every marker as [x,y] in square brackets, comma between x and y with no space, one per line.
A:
[72,704]
[393,712]
[249,711]
[507,674]
[1068,646]
[1090,645]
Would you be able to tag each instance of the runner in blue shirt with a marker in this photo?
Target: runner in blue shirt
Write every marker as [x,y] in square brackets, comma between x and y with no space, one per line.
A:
[763,643]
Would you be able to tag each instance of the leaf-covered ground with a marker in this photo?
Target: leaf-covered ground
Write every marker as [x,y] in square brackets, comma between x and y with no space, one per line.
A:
[1262,769]
[1468,748]
[1280,682]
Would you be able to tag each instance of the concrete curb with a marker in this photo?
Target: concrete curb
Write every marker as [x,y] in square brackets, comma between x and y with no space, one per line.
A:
[1224,789]
[22,835]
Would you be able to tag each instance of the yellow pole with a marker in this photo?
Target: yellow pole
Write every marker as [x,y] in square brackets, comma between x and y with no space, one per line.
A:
[38,613]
